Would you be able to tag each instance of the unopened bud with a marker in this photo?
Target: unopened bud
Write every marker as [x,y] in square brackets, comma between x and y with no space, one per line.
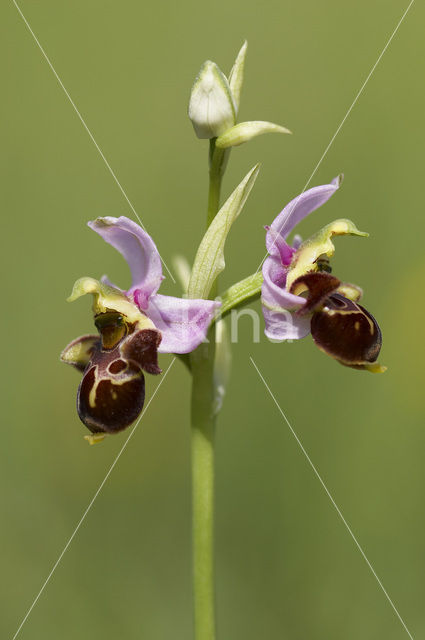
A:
[211,106]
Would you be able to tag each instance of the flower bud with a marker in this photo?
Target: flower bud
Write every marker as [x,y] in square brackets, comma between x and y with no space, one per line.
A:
[211,105]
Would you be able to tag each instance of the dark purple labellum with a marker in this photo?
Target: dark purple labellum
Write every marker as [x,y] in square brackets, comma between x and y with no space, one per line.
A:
[346,331]
[141,348]
[108,402]
[319,286]
[112,391]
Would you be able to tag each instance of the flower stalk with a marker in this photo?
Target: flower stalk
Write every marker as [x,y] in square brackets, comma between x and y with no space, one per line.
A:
[218,161]
[203,420]
[202,446]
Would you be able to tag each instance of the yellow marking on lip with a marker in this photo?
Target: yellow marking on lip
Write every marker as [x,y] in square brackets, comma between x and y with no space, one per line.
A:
[343,312]
[93,391]
[117,383]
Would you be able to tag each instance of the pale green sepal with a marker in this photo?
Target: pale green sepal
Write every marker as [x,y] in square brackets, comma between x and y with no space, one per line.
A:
[211,107]
[320,244]
[245,131]
[86,285]
[236,75]
[106,298]
[209,260]
[241,293]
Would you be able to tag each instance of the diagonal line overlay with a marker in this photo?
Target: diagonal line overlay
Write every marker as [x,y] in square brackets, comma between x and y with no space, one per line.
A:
[341,124]
[83,517]
[319,477]
[83,122]
[254,364]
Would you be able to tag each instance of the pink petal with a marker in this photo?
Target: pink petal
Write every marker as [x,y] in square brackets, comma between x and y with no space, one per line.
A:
[281,324]
[278,247]
[284,325]
[183,322]
[138,249]
[295,211]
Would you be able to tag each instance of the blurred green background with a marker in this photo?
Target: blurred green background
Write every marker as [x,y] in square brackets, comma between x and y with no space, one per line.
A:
[286,566]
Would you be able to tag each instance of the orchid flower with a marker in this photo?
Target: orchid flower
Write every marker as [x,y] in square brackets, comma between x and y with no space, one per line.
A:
[134,326]
[299,295]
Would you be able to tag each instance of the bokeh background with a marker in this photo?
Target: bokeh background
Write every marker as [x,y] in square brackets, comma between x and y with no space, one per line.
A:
[286,566]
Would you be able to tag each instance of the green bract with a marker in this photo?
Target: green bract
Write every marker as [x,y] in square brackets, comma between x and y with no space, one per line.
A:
[245,131]
[241,293]
[236,76]
[209,260]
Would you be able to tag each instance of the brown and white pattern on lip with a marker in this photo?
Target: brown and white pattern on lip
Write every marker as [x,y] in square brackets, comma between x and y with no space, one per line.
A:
[340,327]
[112,391]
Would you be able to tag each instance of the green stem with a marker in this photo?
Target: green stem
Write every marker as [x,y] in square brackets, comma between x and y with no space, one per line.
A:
[203,432]
[203,417]
[218,160]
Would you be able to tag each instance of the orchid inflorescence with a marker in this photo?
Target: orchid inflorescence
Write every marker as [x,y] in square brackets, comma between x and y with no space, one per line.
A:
[299,294]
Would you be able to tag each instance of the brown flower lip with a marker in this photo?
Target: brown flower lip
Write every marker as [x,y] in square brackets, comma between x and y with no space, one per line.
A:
[340,327]
[112,391]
